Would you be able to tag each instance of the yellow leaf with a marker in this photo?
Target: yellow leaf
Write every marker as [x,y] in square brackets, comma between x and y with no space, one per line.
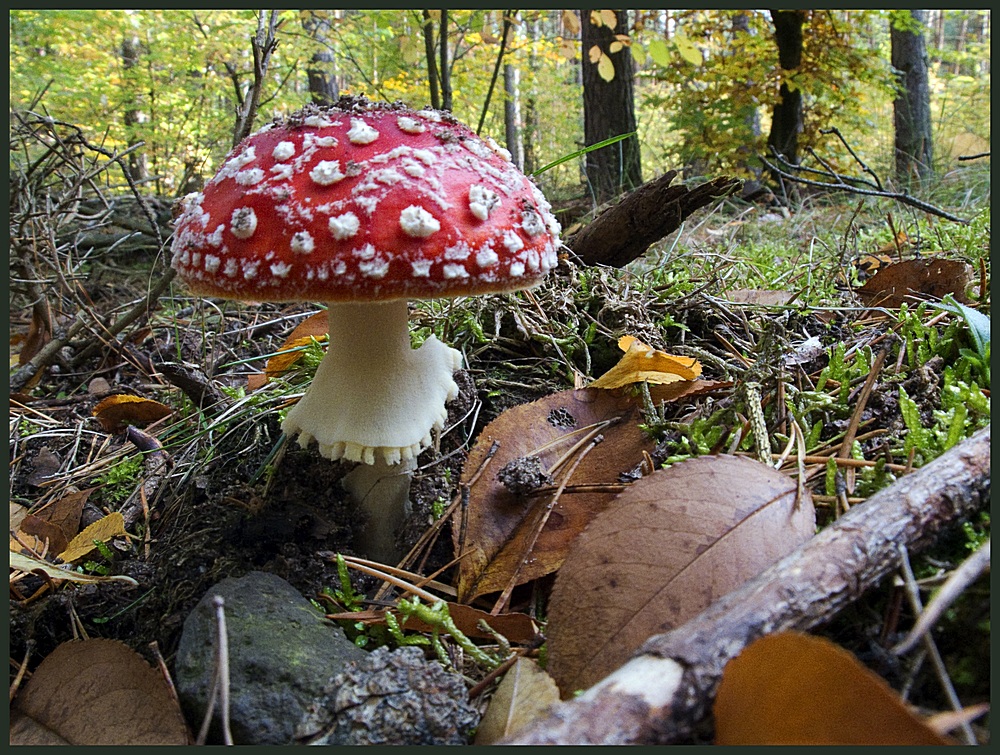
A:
[644,363]
[659,53]
[595,18]
[595,53]
[615,47]
[567,48]
[571,21]
[687,48]
[609,18]
[605,68]
[102,530]
[639,54]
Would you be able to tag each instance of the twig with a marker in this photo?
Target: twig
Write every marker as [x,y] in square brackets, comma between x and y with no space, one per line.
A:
[262,45]
[660,695]
[961,578]
[496,68]
[838,183]
[913,594]
[220,689]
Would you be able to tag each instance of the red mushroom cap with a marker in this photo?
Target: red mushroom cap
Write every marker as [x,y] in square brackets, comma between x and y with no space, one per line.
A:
[364,202]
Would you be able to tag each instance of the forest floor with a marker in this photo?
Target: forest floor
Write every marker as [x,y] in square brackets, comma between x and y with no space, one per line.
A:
[757,295]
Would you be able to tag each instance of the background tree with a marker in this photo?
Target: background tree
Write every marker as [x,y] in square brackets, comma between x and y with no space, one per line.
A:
[786,115]
[609,104]
[912,105]
[323,87]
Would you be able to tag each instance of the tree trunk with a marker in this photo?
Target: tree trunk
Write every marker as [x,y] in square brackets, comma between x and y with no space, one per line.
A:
[444,64]
[431,54]
[512,114]
[749,118]
[530,126]
[911,108]
[609,110]
[323,89]
[786,118]
[131,51]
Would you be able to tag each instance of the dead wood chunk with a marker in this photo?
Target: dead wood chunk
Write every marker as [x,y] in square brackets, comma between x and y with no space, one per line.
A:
[625,230]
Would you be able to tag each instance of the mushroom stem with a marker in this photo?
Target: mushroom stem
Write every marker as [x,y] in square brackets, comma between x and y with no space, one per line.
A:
[372,394]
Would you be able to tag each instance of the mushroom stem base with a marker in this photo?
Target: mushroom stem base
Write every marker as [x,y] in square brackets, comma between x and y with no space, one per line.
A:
[373,395]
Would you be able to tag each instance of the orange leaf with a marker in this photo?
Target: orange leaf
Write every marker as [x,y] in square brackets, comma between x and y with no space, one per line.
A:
[644,363]
[116,412]
[793,688]
[313,327]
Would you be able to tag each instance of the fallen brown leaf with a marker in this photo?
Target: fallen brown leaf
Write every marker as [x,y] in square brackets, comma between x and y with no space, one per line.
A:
[917,279]
[313,327]
[524,694]
[497,527]
[116,412]
[792,688]
[667,547]
[96,692]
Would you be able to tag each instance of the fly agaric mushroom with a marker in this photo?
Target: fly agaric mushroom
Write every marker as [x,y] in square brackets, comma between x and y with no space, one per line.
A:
[363,206]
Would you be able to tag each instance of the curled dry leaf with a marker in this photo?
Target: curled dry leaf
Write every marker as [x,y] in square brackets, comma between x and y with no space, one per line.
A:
[667,547]
[31,565]
[917,279]
[644,363]
[313,327]
[96,692]
[116,412]
[792,688]
[524,694]
[495,533]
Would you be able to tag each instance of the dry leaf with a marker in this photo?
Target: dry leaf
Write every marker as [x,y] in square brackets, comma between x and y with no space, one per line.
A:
[113,525]
[609,19]
[499,526]
[314,327]
[568,48]
[792,688]
[96,692]
[912,280]
[667,547]
[571,21]
[45,532]
[765,297]
[644,363]
[594,53]
[116,412]
[518,628]
[524,694]
[686,389]
[31,565]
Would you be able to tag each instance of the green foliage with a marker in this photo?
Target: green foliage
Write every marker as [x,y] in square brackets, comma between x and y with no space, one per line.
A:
[120,480]
[711,107]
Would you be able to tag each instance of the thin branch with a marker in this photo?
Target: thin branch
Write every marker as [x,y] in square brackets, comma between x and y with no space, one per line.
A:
[507,16]
[839,184]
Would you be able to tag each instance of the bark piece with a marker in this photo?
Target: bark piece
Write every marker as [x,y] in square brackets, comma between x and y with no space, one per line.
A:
[659,695]
[624,231]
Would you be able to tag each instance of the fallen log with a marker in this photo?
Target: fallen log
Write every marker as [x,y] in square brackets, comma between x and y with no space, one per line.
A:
[622,231]
[668,686]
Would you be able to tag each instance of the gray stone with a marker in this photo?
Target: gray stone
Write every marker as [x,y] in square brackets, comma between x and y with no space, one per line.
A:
[281,654]
[391,698]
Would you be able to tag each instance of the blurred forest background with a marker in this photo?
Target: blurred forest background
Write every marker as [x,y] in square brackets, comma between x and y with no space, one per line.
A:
[699,87]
